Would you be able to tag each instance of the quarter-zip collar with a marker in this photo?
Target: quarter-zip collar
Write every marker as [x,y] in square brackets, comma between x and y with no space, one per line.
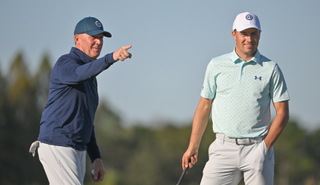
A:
[82,56]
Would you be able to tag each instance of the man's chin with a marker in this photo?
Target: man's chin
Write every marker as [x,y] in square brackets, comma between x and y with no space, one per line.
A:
[95,56]
[251,50]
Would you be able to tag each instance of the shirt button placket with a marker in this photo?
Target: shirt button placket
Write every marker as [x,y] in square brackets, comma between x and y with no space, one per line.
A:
[242,72]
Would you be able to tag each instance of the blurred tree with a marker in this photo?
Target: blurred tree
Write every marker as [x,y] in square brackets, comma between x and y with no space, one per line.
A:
[312,144]
[20,128]
[41,81]
[292,164]
[4,127]
[3,101]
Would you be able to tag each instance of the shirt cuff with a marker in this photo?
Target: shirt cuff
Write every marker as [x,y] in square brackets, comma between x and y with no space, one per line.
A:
[109,59]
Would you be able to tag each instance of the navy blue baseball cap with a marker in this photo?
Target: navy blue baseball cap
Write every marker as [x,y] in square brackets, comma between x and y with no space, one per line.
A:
[90,26]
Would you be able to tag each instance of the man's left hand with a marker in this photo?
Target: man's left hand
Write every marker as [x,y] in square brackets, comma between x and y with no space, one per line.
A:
[98,170]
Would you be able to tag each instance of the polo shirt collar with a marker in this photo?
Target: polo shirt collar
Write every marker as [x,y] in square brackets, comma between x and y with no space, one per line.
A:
[236,59]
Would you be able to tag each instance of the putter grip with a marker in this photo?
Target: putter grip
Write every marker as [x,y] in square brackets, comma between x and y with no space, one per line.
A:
[182,175]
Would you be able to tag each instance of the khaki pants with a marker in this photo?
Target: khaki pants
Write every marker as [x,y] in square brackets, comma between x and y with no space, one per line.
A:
[63,165]
[230,161]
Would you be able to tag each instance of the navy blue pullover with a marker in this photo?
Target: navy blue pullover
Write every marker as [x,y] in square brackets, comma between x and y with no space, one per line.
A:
[67,119]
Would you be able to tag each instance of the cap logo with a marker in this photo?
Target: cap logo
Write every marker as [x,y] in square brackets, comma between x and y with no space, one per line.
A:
[249,17]
[98,24]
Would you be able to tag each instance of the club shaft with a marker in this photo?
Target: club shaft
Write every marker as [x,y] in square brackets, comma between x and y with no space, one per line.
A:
[182,175]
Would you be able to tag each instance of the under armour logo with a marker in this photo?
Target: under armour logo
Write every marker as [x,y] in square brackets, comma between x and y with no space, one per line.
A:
[256,77]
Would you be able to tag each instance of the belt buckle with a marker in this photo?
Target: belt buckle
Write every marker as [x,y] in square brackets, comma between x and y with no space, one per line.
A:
[247,141]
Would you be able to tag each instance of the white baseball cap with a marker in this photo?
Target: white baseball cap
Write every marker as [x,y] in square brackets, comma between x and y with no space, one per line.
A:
[246,20]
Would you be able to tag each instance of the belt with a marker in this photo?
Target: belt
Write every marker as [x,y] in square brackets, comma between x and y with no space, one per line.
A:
[240,141]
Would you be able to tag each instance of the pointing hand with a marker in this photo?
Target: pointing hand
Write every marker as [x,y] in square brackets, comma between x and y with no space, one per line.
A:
[122,53]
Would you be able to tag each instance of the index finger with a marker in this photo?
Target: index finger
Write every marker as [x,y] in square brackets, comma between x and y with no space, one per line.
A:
[127,47]
[185,162]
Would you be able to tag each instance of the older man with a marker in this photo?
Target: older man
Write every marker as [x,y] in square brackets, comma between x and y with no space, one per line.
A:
[238,88]
[66,127]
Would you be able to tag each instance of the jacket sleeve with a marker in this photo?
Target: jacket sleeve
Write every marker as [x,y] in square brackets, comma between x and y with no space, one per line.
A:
[92,147]
[71,71]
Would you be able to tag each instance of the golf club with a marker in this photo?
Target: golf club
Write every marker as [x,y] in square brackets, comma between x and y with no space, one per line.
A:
[183,173]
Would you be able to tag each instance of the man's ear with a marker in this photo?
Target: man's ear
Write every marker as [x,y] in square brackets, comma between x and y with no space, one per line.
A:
[76,39]
[234,34]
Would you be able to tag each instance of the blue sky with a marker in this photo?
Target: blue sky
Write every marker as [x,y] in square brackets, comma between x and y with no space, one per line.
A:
[172,43]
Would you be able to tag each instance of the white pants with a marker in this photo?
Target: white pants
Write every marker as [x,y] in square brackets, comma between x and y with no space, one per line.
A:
[63,165]
[230,162]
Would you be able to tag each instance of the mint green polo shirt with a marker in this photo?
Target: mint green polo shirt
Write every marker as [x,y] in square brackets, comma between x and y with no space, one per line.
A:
[242,92]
